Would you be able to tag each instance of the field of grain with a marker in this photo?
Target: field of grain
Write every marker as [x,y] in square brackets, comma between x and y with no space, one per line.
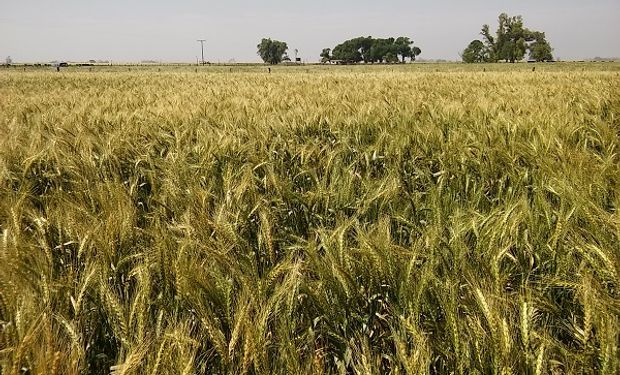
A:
[310,221]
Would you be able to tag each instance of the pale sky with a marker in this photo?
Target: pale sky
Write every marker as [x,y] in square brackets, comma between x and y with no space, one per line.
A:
[134,30]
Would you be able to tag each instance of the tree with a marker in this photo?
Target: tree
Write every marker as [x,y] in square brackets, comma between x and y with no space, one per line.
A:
[347,52]
[9,60]
[364,44]
[476,52]
[326,55]
[489,43]
[510,43]
[379,50]
[540,49]
[403,47]
[511,38]
[391,58]
[415,52]
[272,51]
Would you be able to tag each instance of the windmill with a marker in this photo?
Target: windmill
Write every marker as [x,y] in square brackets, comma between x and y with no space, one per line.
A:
[202,49]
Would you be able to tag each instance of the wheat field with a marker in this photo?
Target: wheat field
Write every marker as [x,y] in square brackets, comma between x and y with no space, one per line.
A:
[319,221]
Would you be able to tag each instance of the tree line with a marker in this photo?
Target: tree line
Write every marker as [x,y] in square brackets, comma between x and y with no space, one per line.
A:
[510,43]
[372,50]
[362,49]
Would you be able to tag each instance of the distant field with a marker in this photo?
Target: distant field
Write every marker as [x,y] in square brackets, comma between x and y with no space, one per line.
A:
[425,218]
[613,66]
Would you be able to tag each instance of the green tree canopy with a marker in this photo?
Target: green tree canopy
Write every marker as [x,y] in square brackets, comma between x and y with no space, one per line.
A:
[511,42]
[476,52]
[403,47]
[272,51]
[415,52]
[372,50]
[381,49]
[326,55]
[347,52]
[540,49]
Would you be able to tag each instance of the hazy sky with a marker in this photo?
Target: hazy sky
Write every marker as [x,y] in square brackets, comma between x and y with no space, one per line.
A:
[134,30]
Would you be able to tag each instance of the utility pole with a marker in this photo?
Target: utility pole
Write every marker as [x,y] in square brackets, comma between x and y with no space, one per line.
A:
[202,49]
